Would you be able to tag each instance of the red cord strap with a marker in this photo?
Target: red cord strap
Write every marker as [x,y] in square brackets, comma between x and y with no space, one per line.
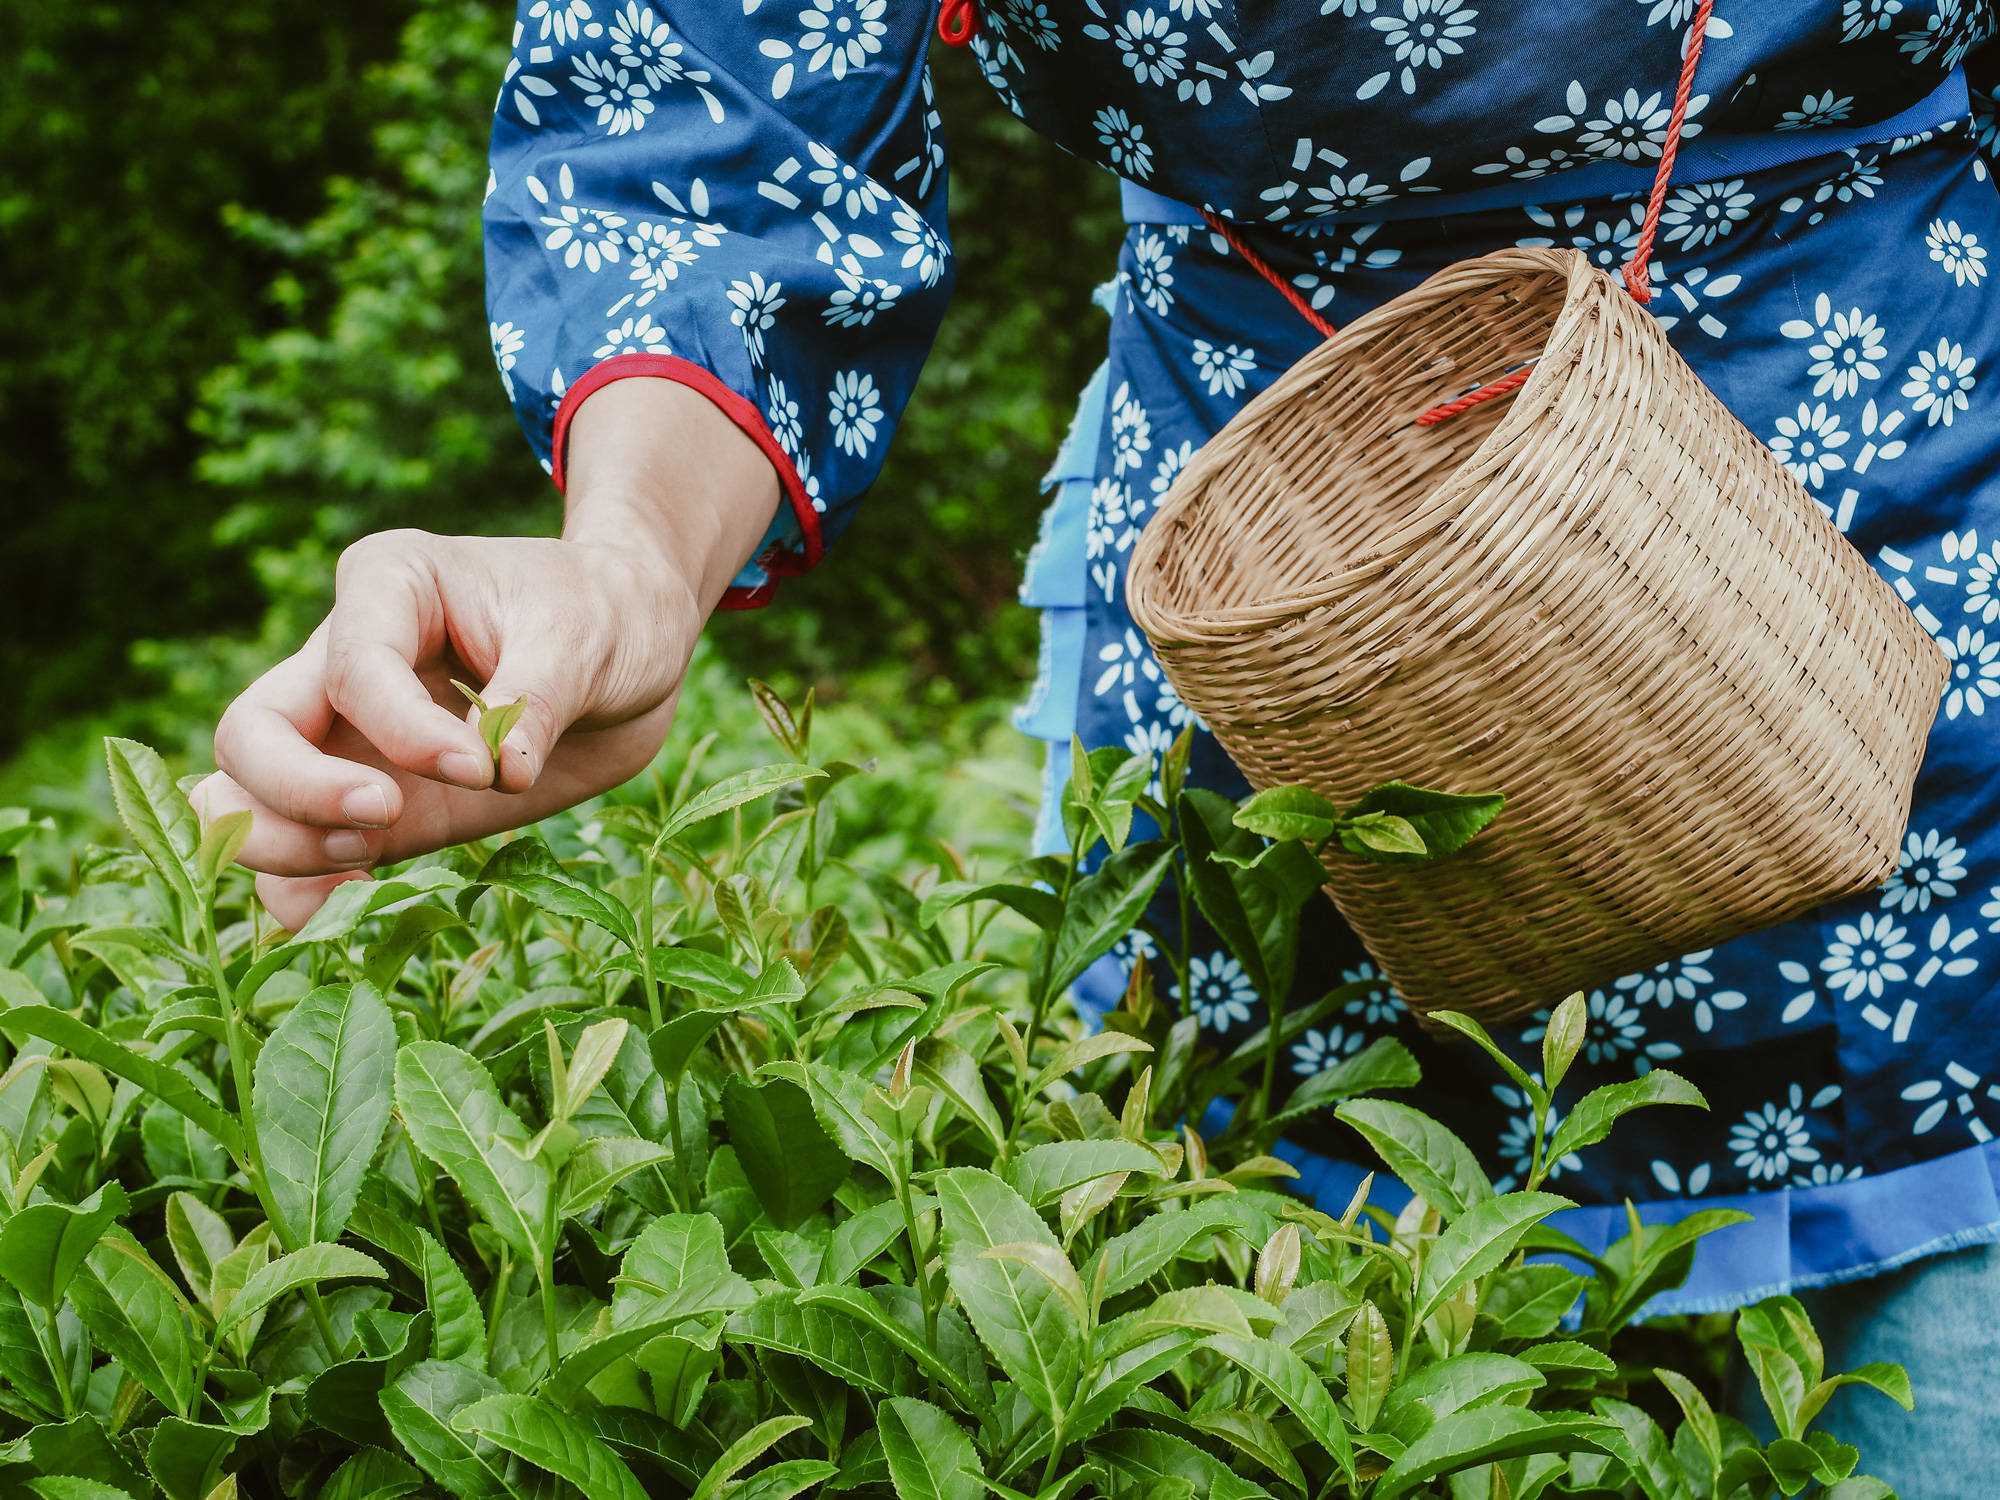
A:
[957,21]
[1638,273]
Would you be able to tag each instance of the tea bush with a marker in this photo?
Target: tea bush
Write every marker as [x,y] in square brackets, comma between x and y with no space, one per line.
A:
[675,1150]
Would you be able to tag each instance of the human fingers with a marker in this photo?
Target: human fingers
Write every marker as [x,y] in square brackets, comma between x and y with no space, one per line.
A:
[270,742]
[292,901]
[278,845]
[389,614]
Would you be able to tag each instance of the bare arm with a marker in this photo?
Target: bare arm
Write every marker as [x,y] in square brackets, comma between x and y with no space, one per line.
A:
[357,751]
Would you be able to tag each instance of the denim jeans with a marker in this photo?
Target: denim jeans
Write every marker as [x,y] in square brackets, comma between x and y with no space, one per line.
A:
[1940,1320]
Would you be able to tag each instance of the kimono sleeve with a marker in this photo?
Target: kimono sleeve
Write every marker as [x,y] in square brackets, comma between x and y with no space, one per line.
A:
[750,204]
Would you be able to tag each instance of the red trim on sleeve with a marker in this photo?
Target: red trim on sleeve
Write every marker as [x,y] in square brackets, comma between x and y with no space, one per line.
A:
[779,563]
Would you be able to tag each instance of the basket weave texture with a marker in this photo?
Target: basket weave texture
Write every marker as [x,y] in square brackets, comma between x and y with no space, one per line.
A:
[1603,597]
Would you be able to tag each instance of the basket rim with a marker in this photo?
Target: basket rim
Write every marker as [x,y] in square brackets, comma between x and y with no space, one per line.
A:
[1584,284]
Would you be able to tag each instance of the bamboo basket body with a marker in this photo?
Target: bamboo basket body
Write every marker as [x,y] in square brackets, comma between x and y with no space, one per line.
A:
[1603,597]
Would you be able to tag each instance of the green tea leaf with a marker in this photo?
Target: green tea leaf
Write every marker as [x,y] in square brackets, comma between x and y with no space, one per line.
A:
[221,841]
[930,1457]
[849,1350]
[1293,1382]
[455,1116]
[420,1404]
[321,1102]
[792,1163]
[352,903]
[1027,1324]
[1289,812]
[1597,1111]
[199,1239]
[528,869]
[1489,1434]
[27,1011]
[458,1323]
[734,791]
[1083,1051]
[1445,821]
[156,815]
[311,1265]
[746,1450]
[1384,1063]
[1371,1365]
[1373,835]
[551,1440]
[675,1269]
[1040,907]
[42,1246]
[1145,1249]
[599,1165]
[964,1378]
[1042,1174]
[135,1315]
[1423,1153]
[1253,1435]
[371,1474]
[1104,906]
[1476,1242]
[1639,1444]
[1528,1301]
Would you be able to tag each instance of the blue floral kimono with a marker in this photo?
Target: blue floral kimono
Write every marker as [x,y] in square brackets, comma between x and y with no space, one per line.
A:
[748,196]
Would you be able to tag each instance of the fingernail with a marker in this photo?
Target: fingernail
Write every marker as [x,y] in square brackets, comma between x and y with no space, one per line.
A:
[344,846]
[367,806]
[465,768]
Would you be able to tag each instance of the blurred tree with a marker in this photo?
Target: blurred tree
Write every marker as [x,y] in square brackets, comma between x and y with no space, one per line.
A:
[124,131]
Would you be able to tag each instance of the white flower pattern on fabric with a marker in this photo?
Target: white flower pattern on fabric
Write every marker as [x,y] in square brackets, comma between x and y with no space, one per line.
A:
[1930,869]
[1960,1090]
[1379,1004]
[1517,1139]
[1974,664]
[754,304]
[1772,1140]
[1222,992]
[564,21]
[856,409]
[1817,110]
[1866,955]
[1147,44]
[587,237]
[1704,212]
[1940,381]
[1126,143]
[1319,1050]
[634,336]
[1845,347]
[1222,370]
[1982,574]
[782,412]
[1131,430]
[1960,253]
[1631,127]
[1421,34]
[621,100]
[1152,272]
[1806,443]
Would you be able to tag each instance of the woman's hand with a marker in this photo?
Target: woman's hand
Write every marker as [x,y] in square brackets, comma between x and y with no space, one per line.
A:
[357,750]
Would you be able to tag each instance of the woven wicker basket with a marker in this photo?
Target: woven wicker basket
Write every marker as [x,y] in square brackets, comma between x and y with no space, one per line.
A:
[1603,597]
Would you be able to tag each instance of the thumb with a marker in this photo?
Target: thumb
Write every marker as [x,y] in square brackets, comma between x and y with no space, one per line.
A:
[550,695]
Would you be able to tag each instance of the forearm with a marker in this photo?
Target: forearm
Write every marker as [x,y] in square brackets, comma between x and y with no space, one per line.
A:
[655,467]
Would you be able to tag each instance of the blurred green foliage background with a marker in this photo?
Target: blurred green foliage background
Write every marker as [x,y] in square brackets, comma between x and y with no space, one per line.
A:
[242,324]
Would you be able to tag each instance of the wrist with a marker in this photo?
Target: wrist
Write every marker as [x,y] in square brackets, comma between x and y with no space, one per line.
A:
[657,472]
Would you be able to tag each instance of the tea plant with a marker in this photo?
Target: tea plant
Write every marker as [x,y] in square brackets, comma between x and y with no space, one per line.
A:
[674,1153]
